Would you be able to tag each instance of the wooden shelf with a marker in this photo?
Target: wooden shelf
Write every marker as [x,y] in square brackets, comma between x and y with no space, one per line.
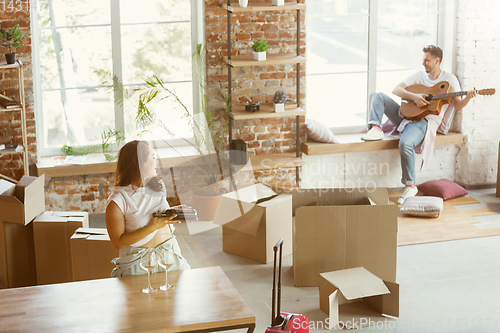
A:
[266,111]
[260,7]
[268,162]
[271,59]
[352,143]
[4,65]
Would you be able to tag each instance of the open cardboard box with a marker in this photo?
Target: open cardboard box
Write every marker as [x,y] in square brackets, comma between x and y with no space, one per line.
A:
[52,232]
[27,203]
[355,298]
[91,254]
[251,225]
[336,229]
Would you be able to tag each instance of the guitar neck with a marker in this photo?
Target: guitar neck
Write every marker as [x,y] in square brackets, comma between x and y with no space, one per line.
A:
[454,94]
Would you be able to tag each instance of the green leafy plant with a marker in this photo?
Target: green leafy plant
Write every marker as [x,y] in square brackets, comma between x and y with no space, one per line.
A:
[12,39]
[259,45]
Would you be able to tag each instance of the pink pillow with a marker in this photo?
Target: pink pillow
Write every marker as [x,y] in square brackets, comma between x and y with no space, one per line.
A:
[442,188]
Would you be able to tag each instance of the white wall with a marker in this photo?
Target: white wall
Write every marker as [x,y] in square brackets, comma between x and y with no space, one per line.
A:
[477,58]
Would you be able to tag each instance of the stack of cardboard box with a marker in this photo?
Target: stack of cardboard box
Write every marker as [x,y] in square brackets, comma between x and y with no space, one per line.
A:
[35,246]
[19,205]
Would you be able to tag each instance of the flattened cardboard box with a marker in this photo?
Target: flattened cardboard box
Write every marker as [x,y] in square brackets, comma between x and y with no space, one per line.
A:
[251,230]
[355,298]
[348,228]
[91,254]
[52,232]
[27,203]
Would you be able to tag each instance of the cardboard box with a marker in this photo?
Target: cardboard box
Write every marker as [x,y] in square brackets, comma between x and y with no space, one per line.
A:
[251,229]
[28,202]
[7,188]
[348,228]
[91,254]
[17,255]
[52,232]
[355,298]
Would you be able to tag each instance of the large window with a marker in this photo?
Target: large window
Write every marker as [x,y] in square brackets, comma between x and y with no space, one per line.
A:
[127,38]
[358,47]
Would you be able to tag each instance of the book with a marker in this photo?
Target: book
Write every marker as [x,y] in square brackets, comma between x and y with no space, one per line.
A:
[10,104]
[11,147]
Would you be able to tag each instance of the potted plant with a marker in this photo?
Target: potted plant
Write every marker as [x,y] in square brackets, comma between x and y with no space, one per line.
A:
[278,2]
[259,47]
[11,41]
[279,100]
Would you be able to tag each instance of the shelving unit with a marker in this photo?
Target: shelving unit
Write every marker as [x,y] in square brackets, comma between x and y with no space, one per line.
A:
[22,109]
[271,161]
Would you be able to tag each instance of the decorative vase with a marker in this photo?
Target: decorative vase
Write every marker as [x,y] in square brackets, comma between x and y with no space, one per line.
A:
[243,3]
[206,206]
[279,107]
[259,56]
[11,58]
[278,2]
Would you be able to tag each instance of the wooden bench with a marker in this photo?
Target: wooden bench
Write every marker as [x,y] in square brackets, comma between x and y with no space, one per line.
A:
[352,143]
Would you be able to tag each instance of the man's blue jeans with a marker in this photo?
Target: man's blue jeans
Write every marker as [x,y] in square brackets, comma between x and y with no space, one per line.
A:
[412,135]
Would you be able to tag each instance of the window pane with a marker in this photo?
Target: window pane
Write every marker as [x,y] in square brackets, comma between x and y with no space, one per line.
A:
[83,50]
[163,50]
[337,36]
[133,11]
[337,100]
[73,12]
[169,113]
[401,36]
[81,120]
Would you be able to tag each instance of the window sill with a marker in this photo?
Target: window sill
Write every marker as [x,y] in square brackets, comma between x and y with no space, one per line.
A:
[352,143]
[96,163]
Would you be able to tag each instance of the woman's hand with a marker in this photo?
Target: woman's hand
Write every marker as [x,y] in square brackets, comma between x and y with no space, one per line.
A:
[157,223]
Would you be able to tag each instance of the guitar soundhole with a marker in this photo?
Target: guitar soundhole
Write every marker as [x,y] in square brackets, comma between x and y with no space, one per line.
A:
[442,86]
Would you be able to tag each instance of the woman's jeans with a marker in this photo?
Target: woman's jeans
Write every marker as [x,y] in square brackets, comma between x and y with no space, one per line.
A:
[413,133]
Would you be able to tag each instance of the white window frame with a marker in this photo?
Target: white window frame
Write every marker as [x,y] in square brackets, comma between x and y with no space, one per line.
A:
[446,39]
[197,37]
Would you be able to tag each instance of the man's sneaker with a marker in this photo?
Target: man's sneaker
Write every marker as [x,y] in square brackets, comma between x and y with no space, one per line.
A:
[373,134]
[407,193]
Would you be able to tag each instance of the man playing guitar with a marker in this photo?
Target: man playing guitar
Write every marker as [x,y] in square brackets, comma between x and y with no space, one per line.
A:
[416,135]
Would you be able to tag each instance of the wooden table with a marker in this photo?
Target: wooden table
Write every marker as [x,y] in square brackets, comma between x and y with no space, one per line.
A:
[204,300]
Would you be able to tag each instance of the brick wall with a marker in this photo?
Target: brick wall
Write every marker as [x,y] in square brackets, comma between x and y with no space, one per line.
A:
[10,122]
[478,54]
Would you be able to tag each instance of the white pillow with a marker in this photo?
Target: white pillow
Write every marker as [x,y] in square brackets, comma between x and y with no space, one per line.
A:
[422,206]
[319,132]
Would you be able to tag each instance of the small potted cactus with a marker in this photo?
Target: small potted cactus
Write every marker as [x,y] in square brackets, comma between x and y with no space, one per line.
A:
[259,47]
[279,100]
[278,2]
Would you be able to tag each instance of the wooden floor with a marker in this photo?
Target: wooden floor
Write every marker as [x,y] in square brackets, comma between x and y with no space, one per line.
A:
[452,224]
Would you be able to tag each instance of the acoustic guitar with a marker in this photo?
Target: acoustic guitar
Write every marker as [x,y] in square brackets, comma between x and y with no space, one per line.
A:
[438,95]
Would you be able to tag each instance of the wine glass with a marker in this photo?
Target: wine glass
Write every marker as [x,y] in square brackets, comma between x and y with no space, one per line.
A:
[148,262]
[166,260]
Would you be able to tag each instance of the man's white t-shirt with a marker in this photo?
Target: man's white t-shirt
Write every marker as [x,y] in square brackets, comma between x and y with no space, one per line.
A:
[138,205]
